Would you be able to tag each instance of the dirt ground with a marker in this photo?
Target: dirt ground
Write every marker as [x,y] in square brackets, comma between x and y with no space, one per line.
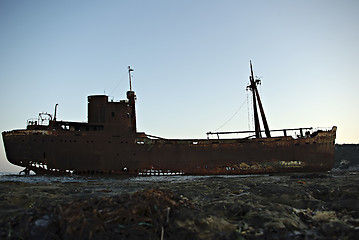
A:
[295,206]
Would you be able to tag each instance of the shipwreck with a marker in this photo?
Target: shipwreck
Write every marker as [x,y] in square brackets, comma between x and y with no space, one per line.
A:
[109,143]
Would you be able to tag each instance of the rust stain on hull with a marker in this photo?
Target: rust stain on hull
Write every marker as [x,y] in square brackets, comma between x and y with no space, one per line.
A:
[110,144]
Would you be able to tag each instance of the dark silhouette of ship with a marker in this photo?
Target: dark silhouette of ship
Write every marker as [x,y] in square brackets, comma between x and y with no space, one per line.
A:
[110,144]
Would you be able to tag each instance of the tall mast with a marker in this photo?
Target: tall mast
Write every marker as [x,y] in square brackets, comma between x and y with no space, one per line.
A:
[256,98]
[129,76]
[253,86]
[131,100]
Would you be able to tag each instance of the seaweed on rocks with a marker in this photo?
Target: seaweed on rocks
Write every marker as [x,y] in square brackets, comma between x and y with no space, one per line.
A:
[141,215]
[295,206]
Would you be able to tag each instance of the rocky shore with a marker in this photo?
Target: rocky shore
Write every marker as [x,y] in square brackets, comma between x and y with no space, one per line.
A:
[295,206]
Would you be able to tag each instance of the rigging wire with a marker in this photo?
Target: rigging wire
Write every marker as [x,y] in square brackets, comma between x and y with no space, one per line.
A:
[232,116]
[118,84]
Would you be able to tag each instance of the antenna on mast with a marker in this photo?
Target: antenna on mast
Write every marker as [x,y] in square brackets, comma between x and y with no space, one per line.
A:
[129,76]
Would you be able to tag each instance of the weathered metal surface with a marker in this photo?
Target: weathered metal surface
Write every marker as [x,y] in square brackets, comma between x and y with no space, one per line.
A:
[110,144]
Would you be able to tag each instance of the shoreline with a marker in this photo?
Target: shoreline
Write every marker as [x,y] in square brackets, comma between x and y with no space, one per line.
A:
[289,206]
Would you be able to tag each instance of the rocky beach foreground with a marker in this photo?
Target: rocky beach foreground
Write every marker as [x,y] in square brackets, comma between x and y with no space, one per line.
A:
[295,206]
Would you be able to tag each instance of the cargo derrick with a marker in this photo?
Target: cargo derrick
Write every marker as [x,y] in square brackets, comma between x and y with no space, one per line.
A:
[110,144]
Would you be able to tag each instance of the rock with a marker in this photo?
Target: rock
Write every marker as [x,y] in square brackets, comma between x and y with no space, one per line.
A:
[189,207]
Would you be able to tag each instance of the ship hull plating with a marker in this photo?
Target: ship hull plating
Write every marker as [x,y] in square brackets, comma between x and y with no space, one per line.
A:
[65,151]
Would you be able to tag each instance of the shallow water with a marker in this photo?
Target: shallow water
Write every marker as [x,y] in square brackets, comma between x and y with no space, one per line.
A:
[33,178]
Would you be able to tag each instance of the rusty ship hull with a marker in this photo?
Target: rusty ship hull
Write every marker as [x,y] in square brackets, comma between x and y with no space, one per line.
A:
[51,151]
[109,143]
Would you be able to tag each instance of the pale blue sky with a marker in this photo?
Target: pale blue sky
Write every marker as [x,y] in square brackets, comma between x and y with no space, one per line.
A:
[191,61]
